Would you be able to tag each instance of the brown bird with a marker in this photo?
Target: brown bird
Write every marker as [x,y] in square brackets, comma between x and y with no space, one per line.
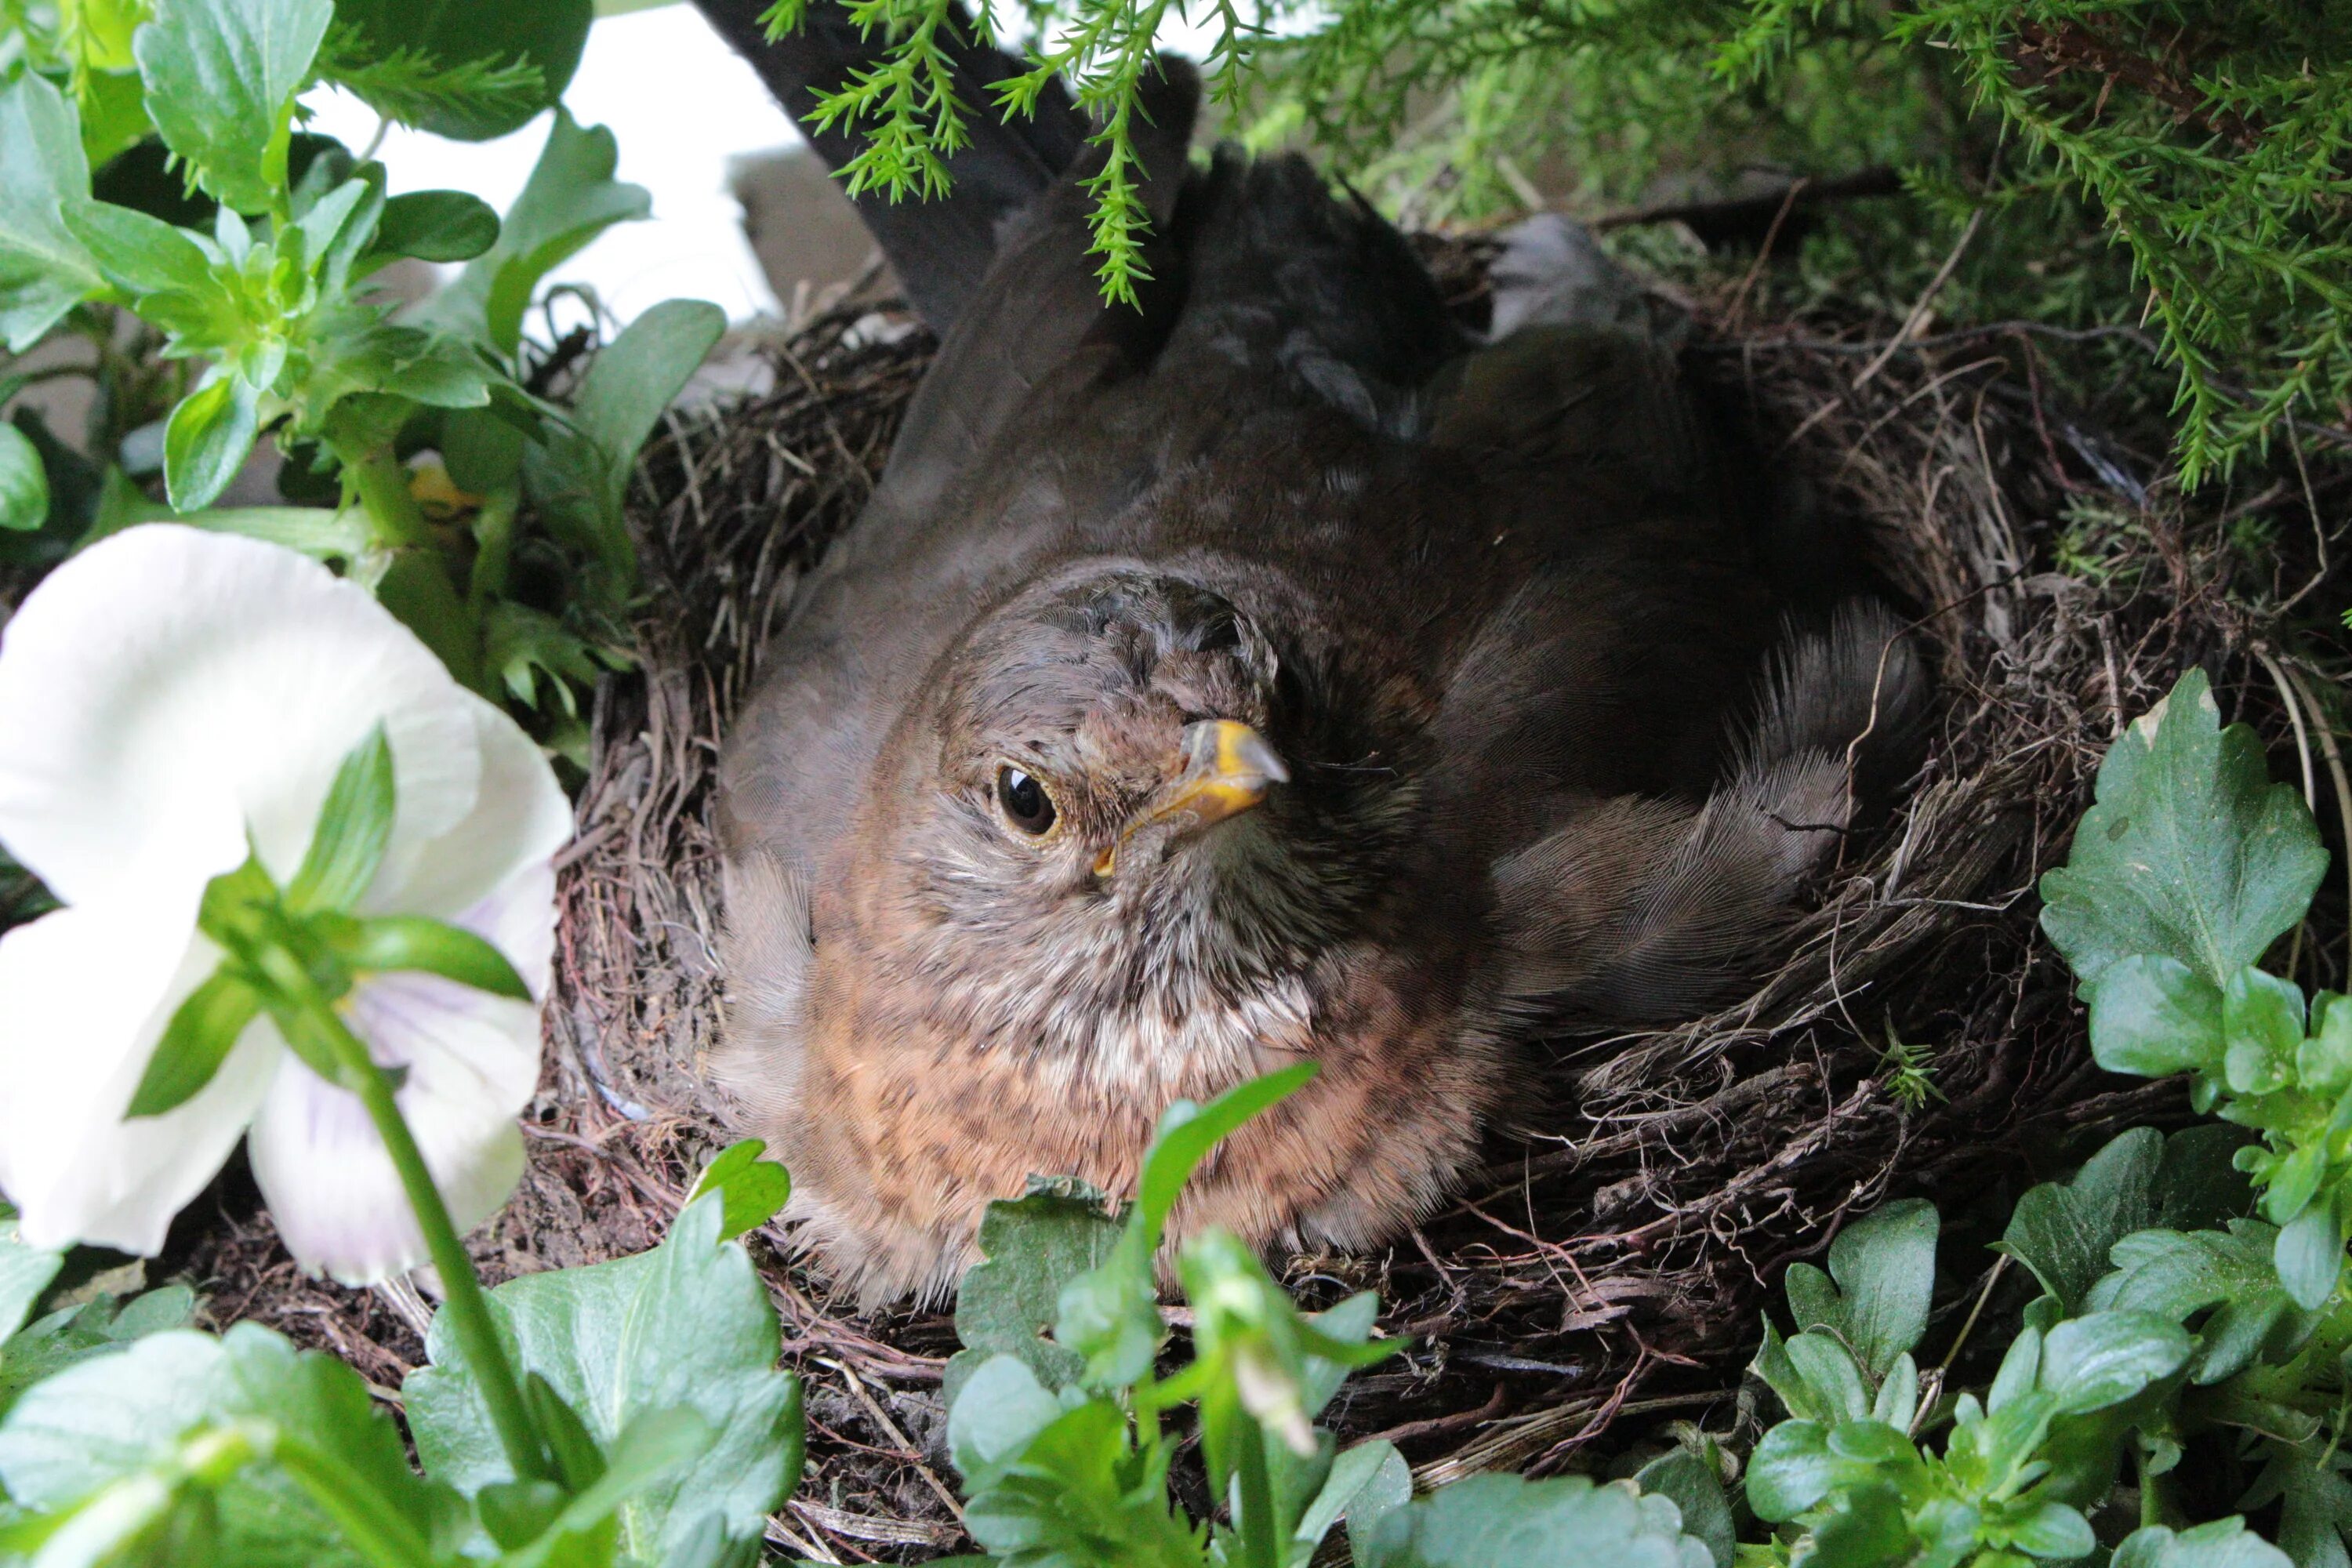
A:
[1270,673]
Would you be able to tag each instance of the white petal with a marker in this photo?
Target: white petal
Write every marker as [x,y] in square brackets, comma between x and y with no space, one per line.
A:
[169,690]
[85,993]
[520,818]
[473,1065]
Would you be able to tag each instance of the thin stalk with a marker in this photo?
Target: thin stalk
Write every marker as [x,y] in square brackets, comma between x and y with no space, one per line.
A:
[381,484]
[1259,1547]
[493,545]
[462,1298]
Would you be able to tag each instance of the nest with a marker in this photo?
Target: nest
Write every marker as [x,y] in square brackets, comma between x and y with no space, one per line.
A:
[1600,1276]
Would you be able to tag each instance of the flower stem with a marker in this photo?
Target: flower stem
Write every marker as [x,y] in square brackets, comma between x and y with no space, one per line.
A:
[1259,1547]
[382,487]
[462,1298]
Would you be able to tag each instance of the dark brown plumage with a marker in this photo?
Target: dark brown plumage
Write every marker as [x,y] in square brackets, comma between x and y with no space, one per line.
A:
[1388,696]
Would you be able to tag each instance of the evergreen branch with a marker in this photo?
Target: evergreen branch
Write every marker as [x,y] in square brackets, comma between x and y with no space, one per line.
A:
[409,85]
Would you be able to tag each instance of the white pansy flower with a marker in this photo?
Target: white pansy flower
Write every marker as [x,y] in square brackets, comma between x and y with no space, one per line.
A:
[172,702]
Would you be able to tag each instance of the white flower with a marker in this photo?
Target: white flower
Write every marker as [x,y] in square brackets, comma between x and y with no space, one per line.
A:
[169,701]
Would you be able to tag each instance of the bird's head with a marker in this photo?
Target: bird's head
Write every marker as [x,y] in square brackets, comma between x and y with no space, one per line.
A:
[1122,800]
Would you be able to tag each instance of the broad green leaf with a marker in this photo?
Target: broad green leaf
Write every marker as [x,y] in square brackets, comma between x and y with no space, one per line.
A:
[75,1333]
[751,1189]
[221,76]
[1831,1373]
[580,476]
[2224,1544]
[1694,1486]
[44,271]
[2154,1016]
[2309,1255]
[1364,1482]
[2191,852]
[24,1273]
[1565,1522]
[999,1408]
[2177,1275]
[2106,1358]
[545,35]
[2261,1019]
[2063,1231]
[1884,1269]
[687,1325]
[571,198]
[2055,1531]
[1031,1246]
[436,225]
[208,439]
[2314,1519]
[139,254]
[202,1030]
[1074,1491]
[419,945]
[109,1418]
[354,826]
[24,483]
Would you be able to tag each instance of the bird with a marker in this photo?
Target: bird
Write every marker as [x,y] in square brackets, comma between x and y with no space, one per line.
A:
[1270,670]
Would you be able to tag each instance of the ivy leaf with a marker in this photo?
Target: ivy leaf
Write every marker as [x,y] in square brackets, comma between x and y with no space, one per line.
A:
[44,271]
[1881,1282]
[221,76]
[684,1326]
[1033,1245]
[24,483]
[571,198]
[110,1418]
[2191,851]
[546,36]
[1564,1522]
[2224,1544]
[750,1190]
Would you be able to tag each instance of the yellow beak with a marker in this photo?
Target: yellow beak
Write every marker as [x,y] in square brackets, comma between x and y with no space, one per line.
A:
[1227,769]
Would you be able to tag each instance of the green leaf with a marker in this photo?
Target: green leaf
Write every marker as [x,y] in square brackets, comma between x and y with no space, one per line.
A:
[1364,1482]
[751,1189]
[208,439]
[221,76]
[2154,1016]
[2177,1275]
[999,1408]
[24,483]
[418,944]
[1694,1486]
[1071,1492]
[545,35]
[1884,1269]
[44,271]
[139,254]
[24,1273]
[2224,1544]
[95,1327]
[354,826]
[580,477]
[1830,1372]
[2191,852]
[1565,1522]
[2092,1362]
[2062,1232]
[2309,1255]
[571,198]
[110,1418]
[436,225]
[1187,1131]
[2261,1018]
[687,1325]
[2054,1531]
[203,1031]
[1031,1246]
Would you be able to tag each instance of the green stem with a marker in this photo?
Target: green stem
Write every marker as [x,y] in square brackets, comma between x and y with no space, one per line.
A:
[383,487]
[461,1293]
[1259,1547]
[493,545]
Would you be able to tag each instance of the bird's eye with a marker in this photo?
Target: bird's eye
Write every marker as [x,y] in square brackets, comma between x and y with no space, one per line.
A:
[1024,801]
